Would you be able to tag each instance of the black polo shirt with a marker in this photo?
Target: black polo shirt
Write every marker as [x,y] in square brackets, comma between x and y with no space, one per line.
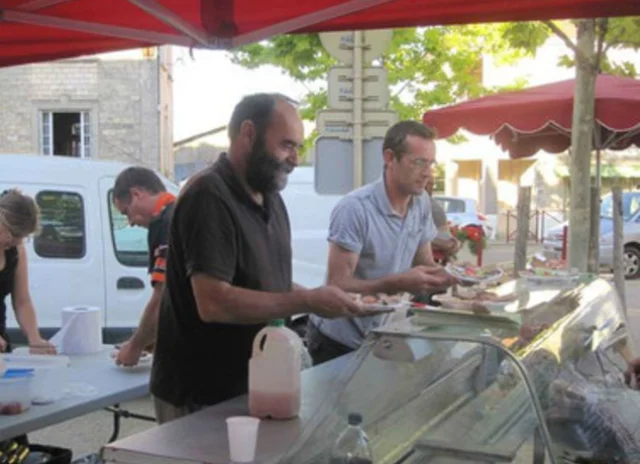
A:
[217,230]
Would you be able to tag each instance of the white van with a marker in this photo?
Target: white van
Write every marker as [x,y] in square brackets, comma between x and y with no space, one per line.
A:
[86,252]
[309,215]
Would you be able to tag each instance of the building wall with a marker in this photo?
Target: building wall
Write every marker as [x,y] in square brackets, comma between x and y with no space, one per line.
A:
[121,96]
[190,159]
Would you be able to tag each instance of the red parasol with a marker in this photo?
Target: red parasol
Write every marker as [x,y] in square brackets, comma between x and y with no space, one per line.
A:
[540,118]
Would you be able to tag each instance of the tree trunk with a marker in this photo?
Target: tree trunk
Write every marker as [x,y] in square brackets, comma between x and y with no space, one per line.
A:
[522,233]
[581,145]
[594,231]
[618,262]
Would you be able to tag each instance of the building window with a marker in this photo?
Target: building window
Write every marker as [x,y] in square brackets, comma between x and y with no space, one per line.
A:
[129,242]
[65,133]
[62,233]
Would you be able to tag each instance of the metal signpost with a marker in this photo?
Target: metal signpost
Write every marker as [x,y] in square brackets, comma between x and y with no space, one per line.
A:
[348,152]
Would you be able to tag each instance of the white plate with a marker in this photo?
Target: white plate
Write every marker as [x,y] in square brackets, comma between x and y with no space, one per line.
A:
[458,273]
[561,278]
[386,308]
[377,309]
[143,363]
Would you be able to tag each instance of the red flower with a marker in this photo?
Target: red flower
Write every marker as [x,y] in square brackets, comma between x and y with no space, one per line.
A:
[473,233]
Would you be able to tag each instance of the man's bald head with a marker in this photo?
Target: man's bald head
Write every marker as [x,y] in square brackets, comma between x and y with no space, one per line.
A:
[257,108]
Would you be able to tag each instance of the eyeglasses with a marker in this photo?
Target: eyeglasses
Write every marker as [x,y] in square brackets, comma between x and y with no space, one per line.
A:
[421,163]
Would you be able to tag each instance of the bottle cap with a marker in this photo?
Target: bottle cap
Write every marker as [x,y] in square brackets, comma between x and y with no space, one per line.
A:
[276,323]
[355,419]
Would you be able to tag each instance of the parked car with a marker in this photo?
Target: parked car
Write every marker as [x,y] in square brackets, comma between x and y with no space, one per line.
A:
[463,212]
[631,234]
[86,252]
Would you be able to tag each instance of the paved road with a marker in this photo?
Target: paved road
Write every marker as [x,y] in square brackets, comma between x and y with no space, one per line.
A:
[88,433]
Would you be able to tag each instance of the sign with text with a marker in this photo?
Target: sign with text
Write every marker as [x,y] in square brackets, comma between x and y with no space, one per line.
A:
[375,88]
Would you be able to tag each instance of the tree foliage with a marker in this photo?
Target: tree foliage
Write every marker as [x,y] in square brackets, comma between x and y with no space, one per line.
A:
[427,67]
[616,34]
[434,66]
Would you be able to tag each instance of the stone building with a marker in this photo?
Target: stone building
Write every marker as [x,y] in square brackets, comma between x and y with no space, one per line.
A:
[113,106]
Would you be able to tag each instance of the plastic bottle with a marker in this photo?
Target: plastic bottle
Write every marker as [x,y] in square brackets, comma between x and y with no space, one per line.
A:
[274,373]
[352,446]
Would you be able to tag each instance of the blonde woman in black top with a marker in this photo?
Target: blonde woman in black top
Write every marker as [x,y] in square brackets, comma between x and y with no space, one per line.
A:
[18,219]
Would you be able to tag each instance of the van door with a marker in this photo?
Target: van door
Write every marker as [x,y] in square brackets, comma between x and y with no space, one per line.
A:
[127,282]
[65,268]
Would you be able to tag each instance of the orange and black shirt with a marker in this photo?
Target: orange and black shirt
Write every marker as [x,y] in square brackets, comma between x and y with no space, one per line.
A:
[158,237]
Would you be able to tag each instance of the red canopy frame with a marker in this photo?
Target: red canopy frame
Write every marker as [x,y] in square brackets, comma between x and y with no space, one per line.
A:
[39,30]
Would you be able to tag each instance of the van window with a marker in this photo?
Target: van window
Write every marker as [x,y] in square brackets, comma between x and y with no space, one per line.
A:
[129,242]
[62,233]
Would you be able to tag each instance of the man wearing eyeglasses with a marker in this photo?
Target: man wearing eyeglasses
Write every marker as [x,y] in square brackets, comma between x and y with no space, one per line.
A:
[380,239]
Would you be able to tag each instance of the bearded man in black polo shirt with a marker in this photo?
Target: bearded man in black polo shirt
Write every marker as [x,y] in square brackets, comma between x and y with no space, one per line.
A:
[229,263]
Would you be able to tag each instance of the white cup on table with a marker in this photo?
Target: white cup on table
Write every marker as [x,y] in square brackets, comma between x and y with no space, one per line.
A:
[243,438]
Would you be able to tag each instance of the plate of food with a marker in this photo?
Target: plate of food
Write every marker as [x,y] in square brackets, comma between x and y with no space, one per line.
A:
[145,360]
[541,261]
[542,275]
[476,299]
[460,304]
[381,302]
[468,273]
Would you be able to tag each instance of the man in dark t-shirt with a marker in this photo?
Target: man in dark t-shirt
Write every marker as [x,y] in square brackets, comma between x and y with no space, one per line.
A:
[140,195]
[229,263]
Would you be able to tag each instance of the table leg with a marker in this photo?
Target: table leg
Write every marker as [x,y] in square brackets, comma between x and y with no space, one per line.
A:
[116,422]
[118,413]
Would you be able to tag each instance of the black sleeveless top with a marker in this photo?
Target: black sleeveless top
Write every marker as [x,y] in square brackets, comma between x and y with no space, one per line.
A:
[7,277]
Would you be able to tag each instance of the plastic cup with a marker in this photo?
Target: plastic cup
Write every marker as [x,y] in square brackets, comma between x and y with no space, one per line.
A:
[243,438]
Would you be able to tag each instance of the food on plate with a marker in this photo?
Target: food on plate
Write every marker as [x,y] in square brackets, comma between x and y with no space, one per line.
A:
[469,273]
[370,299]
[545,272]
[480,295]
[540,261]
[540,266]
[381,299]
[452,302]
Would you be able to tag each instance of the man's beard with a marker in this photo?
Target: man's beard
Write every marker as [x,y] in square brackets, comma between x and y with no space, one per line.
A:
[265,173]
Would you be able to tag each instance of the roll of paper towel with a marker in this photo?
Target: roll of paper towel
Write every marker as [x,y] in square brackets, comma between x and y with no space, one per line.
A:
[81,331]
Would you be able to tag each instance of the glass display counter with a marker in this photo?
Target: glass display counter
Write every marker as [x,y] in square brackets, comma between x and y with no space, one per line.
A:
[539,381]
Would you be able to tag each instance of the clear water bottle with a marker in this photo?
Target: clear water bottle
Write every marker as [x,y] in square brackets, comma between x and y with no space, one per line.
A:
[352,446]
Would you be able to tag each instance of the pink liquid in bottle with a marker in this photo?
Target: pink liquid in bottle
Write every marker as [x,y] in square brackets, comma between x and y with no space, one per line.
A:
[275,405]
[274,373]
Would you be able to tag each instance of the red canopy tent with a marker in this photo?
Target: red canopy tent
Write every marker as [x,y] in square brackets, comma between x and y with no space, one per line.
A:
[540,118]
[39,30]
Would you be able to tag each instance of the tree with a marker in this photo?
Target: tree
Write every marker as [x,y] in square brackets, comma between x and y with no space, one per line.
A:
[595,38]
[428,67]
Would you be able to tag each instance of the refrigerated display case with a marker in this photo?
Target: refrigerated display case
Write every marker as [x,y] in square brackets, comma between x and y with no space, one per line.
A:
[540,381]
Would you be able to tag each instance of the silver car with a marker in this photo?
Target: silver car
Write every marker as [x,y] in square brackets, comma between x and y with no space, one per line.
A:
[463,212]
[631,234]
